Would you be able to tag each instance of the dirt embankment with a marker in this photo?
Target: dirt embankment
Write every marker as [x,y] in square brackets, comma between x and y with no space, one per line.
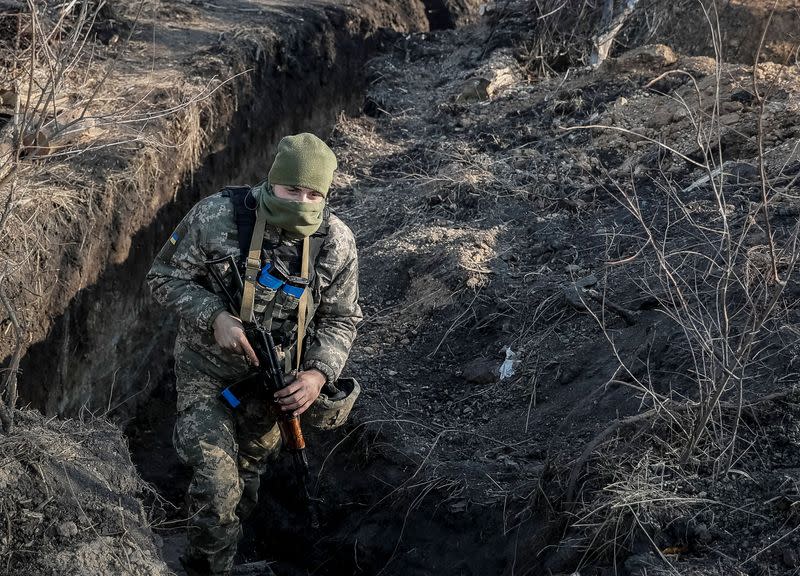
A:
[96,338]
[734,30]
[70,504]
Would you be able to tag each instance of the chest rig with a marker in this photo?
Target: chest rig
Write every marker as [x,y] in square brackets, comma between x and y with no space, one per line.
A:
[281,286]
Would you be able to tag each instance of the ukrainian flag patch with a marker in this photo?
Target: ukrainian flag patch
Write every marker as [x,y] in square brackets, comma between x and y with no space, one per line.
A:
[171,245]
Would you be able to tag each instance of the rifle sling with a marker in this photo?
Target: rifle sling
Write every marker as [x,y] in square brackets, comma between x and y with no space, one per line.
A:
[252,267]
[302,307]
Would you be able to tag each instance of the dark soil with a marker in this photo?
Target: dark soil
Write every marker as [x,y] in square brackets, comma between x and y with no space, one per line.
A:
[474,218]
[489,199]
[70,501]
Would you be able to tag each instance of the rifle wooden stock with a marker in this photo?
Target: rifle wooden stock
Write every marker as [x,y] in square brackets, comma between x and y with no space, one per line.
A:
[291,432]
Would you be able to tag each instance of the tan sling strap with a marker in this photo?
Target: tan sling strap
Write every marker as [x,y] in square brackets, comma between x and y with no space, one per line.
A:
[301,310]
[252,267]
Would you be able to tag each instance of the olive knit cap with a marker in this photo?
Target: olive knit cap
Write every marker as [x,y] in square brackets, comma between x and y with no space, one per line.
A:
[303,160]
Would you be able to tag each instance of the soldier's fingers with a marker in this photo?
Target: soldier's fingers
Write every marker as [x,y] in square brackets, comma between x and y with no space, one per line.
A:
[303,408]
[294,405]
[289,390]
[293,400]
[247,350]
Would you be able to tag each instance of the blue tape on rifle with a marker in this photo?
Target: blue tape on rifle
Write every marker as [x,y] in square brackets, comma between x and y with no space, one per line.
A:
[230,398]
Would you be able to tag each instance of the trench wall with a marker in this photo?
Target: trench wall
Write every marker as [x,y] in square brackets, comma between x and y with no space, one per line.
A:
[106,343]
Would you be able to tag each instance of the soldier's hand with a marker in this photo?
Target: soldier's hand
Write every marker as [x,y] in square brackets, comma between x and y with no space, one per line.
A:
[229,334]
[298,396]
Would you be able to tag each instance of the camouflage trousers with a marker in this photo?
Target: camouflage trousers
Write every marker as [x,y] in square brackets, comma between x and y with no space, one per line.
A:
[228,450]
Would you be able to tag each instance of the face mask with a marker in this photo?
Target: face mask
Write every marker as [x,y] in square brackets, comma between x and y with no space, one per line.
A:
[297,219]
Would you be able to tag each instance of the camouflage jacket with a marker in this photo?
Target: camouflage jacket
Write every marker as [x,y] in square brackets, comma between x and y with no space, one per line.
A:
[180,281]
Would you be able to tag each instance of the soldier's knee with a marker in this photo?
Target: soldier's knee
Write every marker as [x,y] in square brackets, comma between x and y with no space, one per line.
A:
[202,425]
[256,451]
[216,487]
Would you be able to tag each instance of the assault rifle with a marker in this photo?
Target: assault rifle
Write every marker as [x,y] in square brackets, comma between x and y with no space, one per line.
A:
[271,375]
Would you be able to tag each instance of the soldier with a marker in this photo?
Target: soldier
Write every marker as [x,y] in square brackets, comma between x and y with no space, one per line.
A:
[227,448]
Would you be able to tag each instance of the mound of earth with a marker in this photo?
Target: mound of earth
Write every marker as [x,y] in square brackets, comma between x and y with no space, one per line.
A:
[668,520]
[553,36]
[71,502]
[736,30]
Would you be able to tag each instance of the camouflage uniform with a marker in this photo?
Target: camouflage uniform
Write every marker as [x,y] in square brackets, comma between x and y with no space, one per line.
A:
[227,449]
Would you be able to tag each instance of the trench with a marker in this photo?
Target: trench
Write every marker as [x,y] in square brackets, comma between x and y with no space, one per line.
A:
[112,344]
[110,350]
[440,15]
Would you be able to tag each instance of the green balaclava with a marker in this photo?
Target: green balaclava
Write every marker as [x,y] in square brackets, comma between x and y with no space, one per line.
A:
[306,161]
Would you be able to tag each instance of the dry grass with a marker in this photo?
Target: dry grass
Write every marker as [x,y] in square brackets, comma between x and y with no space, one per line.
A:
[637,494]
[57,472]
[718,267]
[717,273]
[39,78]
[74,116]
